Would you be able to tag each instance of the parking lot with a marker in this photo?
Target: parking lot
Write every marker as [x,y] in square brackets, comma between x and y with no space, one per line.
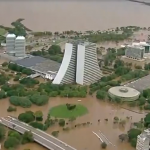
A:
[140,84]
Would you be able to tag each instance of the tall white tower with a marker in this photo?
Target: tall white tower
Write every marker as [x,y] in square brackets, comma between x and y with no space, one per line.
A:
[20,44]
[10,43]
[67,70]
[87,70]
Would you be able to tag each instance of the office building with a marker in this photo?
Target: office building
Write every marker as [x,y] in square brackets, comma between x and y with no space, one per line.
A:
[135,52]
[87,70]
[79,64]
[143,140]
[10,43]
[67,70]
[20,43]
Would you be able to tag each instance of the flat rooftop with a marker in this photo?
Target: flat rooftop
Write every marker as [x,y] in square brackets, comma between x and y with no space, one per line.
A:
[140,84]
[38,63]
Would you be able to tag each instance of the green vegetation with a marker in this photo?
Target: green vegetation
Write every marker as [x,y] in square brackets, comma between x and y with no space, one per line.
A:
[103,145]
[29,82]
[2,31]
[26,117]
[18,68]
[62,122]
[38,115]
[2,132]
[63,90]
[61,111]
[10,109]
[55,133]
[119,34]
[20,101]
[14,139]
[132,134]
[3,79]
[37,125]
[54,53]
[39,99]
[46,33]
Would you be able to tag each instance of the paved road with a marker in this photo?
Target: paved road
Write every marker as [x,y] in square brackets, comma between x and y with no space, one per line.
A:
[39,136]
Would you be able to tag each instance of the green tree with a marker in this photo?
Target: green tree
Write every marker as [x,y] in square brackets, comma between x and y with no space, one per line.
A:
[62,122]
[37,125]
[11,142]
[2,132]
[27,137]
[147,120]
[103,145]
[26,117]
[38,115]
[54,49]
[2,94]
[15,134]
[101,94]
[133,133]
[123,137]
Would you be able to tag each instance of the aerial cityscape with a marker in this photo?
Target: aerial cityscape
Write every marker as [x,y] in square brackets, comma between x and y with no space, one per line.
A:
[75,75]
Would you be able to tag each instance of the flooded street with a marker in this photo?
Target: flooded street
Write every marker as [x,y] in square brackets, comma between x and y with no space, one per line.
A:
[82,137]
[52,15]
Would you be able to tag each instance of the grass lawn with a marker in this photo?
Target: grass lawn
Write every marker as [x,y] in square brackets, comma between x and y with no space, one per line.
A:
[2,31]
[61,111]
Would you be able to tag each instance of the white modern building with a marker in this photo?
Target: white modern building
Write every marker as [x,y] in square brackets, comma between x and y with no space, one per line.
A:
[135,52]
[87,70]
[143,140]
[67,70]
[10,43]
[79,64]
[20,43]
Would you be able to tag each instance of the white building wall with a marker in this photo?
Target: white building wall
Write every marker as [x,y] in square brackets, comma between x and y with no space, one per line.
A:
[80,64]
[10,43]
[20,44]
[67,68]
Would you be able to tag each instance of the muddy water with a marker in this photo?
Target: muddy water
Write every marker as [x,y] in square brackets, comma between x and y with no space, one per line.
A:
[82,137]
[54,15]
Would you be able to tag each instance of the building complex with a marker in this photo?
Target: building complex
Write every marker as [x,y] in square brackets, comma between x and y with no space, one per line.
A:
[15,46]
[79,64]
[143,140]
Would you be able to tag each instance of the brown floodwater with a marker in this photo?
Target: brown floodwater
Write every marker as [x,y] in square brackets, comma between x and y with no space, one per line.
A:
[82,137]
[55,15]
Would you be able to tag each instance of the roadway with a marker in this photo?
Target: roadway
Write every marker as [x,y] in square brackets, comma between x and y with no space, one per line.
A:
[40,137]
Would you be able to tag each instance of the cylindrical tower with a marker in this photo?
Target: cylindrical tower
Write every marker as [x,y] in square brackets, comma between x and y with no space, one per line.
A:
[10,43]
[20,43]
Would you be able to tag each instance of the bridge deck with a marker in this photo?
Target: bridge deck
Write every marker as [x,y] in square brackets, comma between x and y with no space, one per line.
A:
[40,137]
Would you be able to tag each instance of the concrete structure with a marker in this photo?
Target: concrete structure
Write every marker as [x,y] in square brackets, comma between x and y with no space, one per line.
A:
[10,43]
[135,52]
[87,70]
[123,92]
[143,140]
[143,44]
[39,136]
[43,67]
[20,44]
[67,71]
[140,84]
[79,64]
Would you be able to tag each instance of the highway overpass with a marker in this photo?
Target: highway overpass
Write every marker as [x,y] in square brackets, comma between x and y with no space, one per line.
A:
[39,136]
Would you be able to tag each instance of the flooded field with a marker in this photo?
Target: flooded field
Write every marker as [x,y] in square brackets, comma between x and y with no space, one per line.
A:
[83,137]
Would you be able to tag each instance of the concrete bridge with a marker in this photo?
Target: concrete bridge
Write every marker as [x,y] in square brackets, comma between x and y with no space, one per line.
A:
[39,136]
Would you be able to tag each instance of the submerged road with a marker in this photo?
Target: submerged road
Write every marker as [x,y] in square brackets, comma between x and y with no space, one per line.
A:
[40,137]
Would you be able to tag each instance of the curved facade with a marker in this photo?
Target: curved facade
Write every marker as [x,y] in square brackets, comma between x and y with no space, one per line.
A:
[67,70]
[123,92]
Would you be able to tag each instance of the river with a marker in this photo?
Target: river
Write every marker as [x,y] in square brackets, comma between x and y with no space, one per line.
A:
[82,137]
[80,15]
